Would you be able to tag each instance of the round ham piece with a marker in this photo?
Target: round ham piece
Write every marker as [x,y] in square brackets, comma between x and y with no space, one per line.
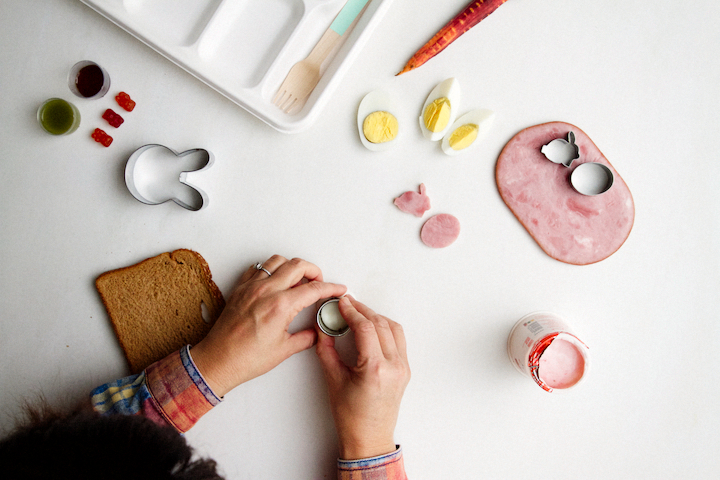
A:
[570,227]
[440,231]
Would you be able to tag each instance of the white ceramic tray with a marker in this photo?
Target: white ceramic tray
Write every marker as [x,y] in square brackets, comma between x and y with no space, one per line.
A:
[245,48]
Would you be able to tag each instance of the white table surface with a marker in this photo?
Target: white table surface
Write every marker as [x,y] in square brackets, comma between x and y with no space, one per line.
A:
[641,78]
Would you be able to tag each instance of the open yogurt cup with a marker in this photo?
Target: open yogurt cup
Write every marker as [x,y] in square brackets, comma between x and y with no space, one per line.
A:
[543,347]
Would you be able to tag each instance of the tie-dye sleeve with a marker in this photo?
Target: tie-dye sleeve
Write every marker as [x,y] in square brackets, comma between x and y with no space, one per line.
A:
[384,467]
[169,392]
[173,392]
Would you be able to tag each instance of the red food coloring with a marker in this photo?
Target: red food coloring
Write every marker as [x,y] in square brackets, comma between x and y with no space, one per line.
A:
[101,137]
[113,118]
[89,80]
[124,100]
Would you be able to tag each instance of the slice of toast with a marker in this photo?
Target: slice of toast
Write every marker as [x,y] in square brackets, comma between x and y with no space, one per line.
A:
[155,306]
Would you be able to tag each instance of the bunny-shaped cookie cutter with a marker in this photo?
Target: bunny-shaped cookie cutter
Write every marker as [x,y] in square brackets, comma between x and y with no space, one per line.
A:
[562,151]
[156,174]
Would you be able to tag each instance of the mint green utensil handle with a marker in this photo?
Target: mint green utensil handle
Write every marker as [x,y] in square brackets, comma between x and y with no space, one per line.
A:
[347,15]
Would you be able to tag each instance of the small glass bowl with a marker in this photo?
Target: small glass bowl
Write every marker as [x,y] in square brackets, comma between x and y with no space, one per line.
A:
[88,80]
[58,117]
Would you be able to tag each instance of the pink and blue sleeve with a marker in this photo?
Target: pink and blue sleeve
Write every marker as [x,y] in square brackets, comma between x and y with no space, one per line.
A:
[169,392]
[384,467]
[173,392]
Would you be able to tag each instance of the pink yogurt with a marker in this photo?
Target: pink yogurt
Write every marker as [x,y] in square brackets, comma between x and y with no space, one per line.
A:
[543,347]
[562,365]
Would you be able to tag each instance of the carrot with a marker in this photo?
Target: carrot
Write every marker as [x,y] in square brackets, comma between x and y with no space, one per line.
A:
[468,18]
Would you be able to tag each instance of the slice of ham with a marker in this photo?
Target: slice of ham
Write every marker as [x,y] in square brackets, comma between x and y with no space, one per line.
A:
[440,231]
[570,227]
[414,202]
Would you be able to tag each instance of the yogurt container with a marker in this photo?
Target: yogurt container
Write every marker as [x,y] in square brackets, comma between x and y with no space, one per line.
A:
[542,346]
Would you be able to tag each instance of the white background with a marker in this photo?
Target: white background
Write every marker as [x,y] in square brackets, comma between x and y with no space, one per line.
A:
[641,78]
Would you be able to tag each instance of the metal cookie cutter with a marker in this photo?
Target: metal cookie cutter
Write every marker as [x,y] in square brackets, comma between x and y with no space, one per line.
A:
[591,178]
[155,174]
[562,151]
[330,320]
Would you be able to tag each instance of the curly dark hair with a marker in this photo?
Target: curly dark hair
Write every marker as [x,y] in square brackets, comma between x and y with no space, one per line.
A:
[86,445]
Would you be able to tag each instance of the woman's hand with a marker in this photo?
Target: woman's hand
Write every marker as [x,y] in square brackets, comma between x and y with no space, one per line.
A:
[365,399]
[251,336]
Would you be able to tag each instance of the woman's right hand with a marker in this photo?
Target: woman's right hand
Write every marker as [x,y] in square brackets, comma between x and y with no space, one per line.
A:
[365,399]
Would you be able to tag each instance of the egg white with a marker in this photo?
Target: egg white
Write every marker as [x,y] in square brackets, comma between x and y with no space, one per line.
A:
[375,101]
[481,117]
[449,89]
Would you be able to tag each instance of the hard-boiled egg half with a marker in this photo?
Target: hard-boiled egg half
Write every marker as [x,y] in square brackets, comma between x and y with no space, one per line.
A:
[440,109]
[377,124]
[467,130]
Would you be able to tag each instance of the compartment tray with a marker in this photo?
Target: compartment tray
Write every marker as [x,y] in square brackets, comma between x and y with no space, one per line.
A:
[244,48]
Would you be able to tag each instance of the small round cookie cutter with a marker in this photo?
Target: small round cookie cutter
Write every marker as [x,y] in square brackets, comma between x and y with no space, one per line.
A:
[591,178]
[156,174]
[337,327]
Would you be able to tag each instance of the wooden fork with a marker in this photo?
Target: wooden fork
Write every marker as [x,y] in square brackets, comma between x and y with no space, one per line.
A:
[304,76]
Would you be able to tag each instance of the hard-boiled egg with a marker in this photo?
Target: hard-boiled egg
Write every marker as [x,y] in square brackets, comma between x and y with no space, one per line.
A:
[468,130]
[377,124]
[440,109]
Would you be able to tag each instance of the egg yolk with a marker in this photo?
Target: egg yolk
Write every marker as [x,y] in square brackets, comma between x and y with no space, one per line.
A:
[437,114]
[463,136]
[380,127]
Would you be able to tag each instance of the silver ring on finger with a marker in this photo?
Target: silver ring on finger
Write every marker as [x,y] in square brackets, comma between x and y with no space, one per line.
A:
[259,266]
